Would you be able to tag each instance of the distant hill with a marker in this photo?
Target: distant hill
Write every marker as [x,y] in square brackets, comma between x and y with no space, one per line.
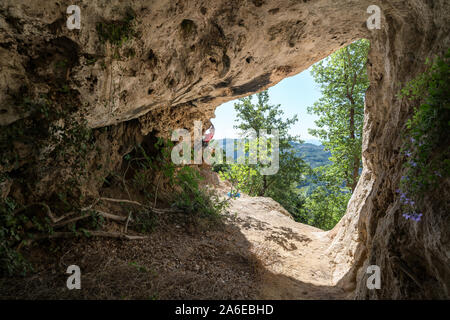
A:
[313,154]
[313,141]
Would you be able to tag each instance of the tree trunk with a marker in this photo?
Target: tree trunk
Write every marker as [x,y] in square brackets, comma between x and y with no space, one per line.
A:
[355,173]
[356,161]
[264,188]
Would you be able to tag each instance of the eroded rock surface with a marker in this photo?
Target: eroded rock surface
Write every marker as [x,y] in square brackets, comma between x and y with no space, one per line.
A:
[294,255]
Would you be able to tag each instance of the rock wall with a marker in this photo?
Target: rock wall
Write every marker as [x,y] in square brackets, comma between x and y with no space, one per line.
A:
[413,257]
[176,61]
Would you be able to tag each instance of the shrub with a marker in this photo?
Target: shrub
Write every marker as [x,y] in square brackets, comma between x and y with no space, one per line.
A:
[426,139]
[194,199]
[12,233]
[188,195]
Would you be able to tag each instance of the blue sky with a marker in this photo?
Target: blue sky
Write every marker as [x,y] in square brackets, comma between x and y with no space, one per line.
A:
[294,94]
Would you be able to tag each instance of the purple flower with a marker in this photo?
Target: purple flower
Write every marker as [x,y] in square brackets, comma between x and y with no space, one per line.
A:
[438,174]
[413,140]
[408,154]
[413,216]
[413,164]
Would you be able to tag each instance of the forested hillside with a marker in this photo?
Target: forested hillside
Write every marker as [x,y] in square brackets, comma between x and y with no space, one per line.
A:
[313,154]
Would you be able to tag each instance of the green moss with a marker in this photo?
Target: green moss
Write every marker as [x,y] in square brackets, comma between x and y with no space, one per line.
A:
[116,32]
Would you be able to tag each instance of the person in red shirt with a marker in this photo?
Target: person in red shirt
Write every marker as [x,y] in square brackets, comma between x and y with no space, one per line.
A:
[208,136]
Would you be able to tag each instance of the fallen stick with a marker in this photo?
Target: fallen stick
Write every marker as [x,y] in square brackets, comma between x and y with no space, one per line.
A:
[166,210]
[99,212]
[122,200]
[125,228]
[104,234]
[110,216]
[90,206]
[63,223]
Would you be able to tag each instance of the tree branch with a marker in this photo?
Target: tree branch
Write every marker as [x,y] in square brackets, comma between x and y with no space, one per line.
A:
[93,233]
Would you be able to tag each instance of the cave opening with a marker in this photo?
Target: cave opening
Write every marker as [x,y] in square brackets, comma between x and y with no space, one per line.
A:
[328,100]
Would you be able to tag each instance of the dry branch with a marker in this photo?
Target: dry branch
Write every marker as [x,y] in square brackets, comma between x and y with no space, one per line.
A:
[110,216]
[125,228]
[167,210]
[92,233]
[64,223]
[122,200]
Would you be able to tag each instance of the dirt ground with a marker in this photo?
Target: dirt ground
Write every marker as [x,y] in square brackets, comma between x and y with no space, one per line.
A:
[257,252]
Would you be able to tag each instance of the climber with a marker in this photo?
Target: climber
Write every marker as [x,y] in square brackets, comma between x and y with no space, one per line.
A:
[208,136]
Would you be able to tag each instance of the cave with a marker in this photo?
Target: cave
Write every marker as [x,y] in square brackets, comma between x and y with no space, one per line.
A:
[183,59]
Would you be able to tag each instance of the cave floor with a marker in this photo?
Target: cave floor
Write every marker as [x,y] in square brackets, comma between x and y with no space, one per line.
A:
[256,252]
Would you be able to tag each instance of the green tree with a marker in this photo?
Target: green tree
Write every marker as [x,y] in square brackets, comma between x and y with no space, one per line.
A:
[247,177]
[343,82]
[327,202]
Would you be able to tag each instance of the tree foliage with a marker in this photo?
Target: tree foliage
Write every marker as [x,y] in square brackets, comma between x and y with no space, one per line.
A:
[326,204]
[261,115]
[343,81]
